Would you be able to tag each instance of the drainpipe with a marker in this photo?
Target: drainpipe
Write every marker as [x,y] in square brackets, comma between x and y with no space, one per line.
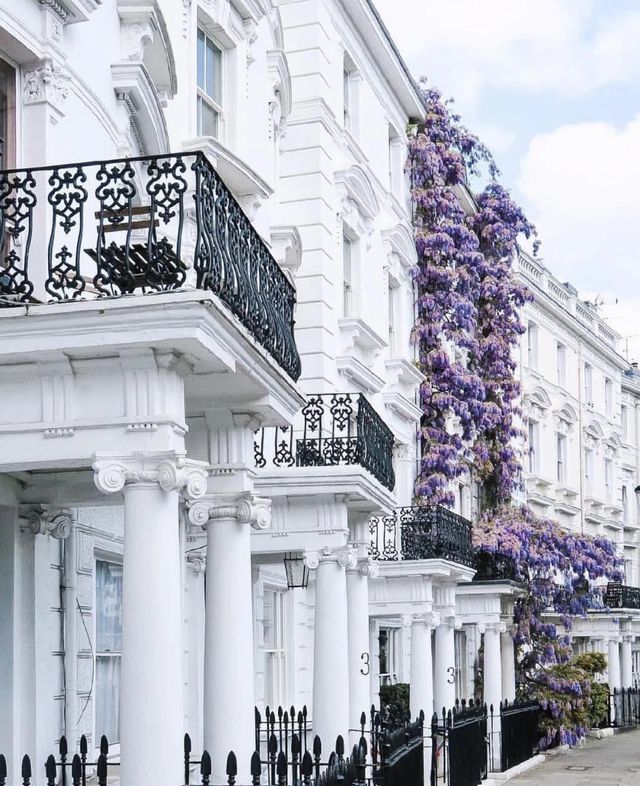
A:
[70,601]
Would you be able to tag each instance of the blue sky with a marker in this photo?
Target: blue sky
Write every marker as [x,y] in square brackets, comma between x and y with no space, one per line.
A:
[553,88]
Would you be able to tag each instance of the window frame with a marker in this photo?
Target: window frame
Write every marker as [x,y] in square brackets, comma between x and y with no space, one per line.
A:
[533,440]
[201,95]
[393,655]
[588,469]
[10,148]
[348,310]
[588,383]
[561,364]
[608,397]
[112,559]
[277,653]
[561,457]
[532,345]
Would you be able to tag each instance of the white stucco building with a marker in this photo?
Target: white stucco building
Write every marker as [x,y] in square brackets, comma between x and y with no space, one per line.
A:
[181,183]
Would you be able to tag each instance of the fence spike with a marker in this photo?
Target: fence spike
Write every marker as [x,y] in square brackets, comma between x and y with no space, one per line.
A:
[295,745]
[26,770]
[232,768]
[292,713]
[317,746]
[256,716]
[362,744]
[279,713]
[340,746]
[187,744]
[3,769]
[104,745]
[50,770]
[76,770]
[307,764]
[102,769]
[363,719]
[84,747]
[205,767]
[273,744]
[63,747]
[256,765]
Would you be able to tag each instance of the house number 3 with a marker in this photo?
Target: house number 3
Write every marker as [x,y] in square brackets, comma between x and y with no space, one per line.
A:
[365,664]
[452,675]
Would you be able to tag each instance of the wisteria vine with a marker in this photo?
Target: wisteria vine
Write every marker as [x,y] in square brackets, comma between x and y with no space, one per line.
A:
[468,305]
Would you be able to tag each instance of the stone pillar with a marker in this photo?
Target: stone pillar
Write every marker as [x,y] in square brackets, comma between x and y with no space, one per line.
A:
[152,681]
[360,658]
[330,710]
[421,680]
[195,625]
[228,646]
[507,651]
[444,672]
[493,683]
[626,662]
[615,680]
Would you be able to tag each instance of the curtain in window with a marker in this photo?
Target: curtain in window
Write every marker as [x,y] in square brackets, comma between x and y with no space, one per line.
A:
[108,649]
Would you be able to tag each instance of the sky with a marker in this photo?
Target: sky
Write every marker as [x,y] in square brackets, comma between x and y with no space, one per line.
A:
[553,88]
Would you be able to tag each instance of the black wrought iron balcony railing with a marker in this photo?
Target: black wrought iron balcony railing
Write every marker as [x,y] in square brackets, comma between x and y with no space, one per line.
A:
[136,226]
[621,596]
[337,429]
[421,532]
[494,567]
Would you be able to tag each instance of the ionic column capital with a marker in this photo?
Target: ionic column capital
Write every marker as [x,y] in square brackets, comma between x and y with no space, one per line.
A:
[47,520]
[365,567]
[196,562]
[628,638]
[449,621]
[344,556]
[171,471]
[492,627]
[246,509]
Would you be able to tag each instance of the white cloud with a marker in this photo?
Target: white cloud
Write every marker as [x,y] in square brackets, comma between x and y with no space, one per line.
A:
[559,46]
[581,183]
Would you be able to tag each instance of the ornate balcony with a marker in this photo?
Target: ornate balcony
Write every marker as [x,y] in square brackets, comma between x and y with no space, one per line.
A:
[421,532]
[494,567]
[620,596]
[337,429]
[105,229]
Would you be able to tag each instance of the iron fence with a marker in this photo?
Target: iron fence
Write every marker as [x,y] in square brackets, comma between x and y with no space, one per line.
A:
[134,226]
[337,429]
[624,708]
[621,596]
[421,532]
[519,735]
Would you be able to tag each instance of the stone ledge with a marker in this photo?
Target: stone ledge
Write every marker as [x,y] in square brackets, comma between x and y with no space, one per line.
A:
[502,777]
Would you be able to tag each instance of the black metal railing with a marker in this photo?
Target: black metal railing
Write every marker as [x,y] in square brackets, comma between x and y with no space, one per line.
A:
[494,567]
[337,429]
[624,708]
[621,596]
[519,734]
[421,532]
[136,226]
[459,745]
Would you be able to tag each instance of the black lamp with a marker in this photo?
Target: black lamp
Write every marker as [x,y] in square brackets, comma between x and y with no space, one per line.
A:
[296,570]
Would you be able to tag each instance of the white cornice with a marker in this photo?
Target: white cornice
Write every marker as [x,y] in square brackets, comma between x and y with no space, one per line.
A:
[132,84]
[355,370]
[401,405]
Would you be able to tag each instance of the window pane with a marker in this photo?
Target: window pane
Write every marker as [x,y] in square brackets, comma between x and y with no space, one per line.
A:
[108,607]
[269,620]
[108,697]
[212,70]
[207,119]
[201,48]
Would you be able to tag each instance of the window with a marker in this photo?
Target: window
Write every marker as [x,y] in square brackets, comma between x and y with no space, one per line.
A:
[108,649]
[561,458]
[389,655]
[561,365]
[7,116]
[533,447]
[625,504]
[347,277]
[396,160]
[624,422]
[532,345]
[608,398]
[275,693]
[588,468]
[209,86]
[588,383]
[608,477]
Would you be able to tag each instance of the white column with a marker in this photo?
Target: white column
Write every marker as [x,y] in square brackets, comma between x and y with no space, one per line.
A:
[444,672]
[151,688]
[228,645]
[330,709]
[626,662]
[614,664]
[492,674]
[421,680]
[195,626]
[508,666]
[360,658]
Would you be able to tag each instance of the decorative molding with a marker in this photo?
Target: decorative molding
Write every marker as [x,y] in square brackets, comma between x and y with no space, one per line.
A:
[48,520]
[246,509]
[45,82]
[171,471]
[286,245]
[196,562]
[344,556]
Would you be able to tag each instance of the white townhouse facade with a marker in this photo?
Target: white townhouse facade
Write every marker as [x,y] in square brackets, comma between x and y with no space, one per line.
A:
[580,406]
[181,183]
